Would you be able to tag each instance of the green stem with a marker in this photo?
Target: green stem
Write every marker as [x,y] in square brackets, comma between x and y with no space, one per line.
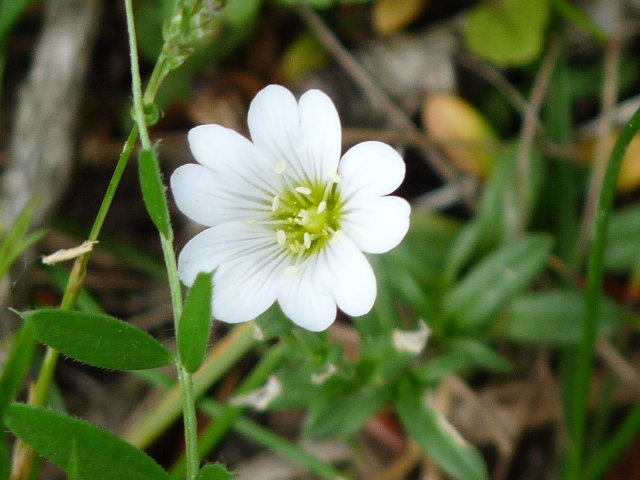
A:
[190,422]
[184,378]
[172,274]
[136,82]
[593,297]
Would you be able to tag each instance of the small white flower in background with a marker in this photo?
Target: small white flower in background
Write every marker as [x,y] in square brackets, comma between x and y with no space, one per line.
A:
[288,218]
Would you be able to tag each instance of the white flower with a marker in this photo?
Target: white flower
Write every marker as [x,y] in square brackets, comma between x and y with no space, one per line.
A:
[288,218]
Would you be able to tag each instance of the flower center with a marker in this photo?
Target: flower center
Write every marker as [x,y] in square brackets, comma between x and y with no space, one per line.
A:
[306,217]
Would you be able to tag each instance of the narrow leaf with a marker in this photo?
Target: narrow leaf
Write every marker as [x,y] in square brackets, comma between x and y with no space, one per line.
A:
[153,191]
[623,240]
[341,411]
[214,472]
[437,437]
[86,450]
[496,280]
[16,240]
[195,323]
[98,340]
[550,318]
[17,365]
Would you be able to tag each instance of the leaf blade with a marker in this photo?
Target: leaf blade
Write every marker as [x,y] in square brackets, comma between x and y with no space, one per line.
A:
[97,453]
[98,340]
[496,279]
[17,365]
[549,318]
[195,323]
[214,471]
[436,436]
[153,191]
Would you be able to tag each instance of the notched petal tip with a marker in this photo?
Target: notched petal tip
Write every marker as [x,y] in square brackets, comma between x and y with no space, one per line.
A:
[378,225]
[305,301]
[371,168]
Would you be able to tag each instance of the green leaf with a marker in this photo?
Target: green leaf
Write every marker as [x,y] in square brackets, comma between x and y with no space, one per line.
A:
[553,318]
[462,355]
[98,340]
[72,466]
[437,437]
[214,472]
[16,240]
[426,246]
[17,365]
[153,191]
[99,455]
[195,323]
[409,291]
[623,240]
[272,323]
[496,280]
[340,409]
[488,227]
[507,32]
[499,217]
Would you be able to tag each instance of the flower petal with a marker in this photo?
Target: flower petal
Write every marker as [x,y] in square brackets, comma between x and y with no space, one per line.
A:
[274,122]
[246,286]
[232,156]
[321,136]
[377,224]
[205,198]
[304,299]
[351,278]
[373,168]
[210,248]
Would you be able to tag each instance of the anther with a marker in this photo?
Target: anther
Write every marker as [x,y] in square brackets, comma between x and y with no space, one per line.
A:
[322,206]
[307,240]
[275,204]
[291,270]
[250,221]
[335,176]
[337,236]
[281,237]
[280,167]
[303,190]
